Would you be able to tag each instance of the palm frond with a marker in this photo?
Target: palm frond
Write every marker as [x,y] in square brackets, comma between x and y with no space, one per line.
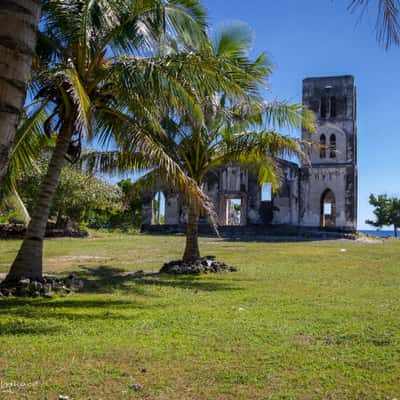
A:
[114,162]
[188,19]
[232,40]
[81,99]
[387,20]
[29,145]
[281,114]
[14,201]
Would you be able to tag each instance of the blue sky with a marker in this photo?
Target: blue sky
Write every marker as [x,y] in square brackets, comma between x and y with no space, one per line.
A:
[320,37]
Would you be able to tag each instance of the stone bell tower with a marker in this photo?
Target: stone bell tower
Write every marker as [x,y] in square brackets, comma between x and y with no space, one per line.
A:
[328,183]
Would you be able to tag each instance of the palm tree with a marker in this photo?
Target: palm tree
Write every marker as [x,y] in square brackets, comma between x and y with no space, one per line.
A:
[387,22]
[231,132]
[18,22]
[236,134]
[99,70]
[239,126]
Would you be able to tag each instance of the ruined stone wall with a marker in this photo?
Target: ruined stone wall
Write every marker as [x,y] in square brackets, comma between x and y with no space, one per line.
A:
[147,211]
[286,200]
[254,204]
[313,185]
[172,208]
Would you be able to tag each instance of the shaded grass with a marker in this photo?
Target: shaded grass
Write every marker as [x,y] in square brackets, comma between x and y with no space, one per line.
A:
[299,321]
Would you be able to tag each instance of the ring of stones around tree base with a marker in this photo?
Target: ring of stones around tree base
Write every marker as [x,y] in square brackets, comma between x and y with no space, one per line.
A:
[44,287]
[205,265]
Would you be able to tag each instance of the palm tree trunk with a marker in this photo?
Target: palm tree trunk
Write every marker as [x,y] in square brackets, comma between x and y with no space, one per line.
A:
[18,25]
[59,221]
[29,260]
[192,251]
[395,231]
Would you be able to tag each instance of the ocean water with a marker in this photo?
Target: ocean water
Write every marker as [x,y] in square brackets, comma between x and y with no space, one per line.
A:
[378,233]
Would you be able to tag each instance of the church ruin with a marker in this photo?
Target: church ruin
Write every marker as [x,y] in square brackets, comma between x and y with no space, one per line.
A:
[320,194]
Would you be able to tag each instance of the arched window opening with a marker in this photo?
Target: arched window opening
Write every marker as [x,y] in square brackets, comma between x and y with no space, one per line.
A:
[332,147]
[324,106]
[328,209]
[322,146]
[333,107]
[158,208]
[266,192]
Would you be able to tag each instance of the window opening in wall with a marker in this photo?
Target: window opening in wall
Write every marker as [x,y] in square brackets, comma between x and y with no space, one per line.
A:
[158,208]
[324,106]
[322,148]
[266,192]
[333,107]
[332,147]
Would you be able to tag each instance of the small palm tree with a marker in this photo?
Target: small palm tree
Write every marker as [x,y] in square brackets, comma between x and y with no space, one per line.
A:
[99,70]
[238,126]
[235,134]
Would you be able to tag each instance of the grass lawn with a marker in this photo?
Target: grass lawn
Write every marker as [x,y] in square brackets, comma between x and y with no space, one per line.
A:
[298,321]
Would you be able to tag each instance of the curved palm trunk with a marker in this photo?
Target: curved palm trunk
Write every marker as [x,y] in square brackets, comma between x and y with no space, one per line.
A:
[18,24]
[192,251]
[29,260]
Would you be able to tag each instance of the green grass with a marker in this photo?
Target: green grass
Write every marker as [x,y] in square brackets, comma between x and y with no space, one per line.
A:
[299,321]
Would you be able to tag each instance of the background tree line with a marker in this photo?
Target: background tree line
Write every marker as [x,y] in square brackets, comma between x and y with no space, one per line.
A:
[81,200]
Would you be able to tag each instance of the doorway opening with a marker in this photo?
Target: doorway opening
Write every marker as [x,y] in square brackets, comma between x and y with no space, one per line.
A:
[328,209]
[233,211]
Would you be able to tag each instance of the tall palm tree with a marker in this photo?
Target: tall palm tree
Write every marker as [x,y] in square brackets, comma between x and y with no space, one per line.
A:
[387,22]
[238,126]
[18,22]
[98,68]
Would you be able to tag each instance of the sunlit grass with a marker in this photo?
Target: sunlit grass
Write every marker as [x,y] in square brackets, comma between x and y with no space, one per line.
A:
[298,321]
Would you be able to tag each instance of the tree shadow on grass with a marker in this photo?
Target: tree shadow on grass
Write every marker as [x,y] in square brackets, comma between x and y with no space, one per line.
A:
[24,314]
[27,315]
[19,328]
[107,279]
[191,282]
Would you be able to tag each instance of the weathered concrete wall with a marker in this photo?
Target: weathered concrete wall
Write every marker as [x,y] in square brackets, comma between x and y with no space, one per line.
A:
[172,206]
[147,207]
[233,184]
[286,200]
[254,204]
[343,124]
[314,183]
[337,173]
